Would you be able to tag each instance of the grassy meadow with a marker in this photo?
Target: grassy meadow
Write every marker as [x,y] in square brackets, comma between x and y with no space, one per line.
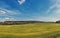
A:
[37,30]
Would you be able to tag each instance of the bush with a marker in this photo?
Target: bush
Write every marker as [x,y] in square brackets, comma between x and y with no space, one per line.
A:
[58,21]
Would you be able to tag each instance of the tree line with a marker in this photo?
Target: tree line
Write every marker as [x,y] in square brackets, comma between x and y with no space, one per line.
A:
[18,22]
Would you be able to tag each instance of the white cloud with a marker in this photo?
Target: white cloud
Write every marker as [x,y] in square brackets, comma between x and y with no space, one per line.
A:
[56,4]
[9,12]
[21,1]
[2,12]
[9,19]
[50,8]
[54,9]
[6,14]
[47,18]
[57,11]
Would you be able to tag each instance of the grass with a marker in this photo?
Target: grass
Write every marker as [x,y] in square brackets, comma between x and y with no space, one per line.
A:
[37,30]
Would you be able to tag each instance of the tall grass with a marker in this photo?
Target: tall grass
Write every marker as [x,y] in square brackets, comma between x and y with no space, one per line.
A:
[37,30]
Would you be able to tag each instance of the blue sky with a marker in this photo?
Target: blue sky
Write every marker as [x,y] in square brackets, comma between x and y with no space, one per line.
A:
[41,10]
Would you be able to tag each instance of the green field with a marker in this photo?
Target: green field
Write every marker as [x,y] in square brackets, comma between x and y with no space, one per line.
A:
[37,30]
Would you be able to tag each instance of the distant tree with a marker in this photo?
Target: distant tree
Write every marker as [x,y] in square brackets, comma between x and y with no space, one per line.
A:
[58,21]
